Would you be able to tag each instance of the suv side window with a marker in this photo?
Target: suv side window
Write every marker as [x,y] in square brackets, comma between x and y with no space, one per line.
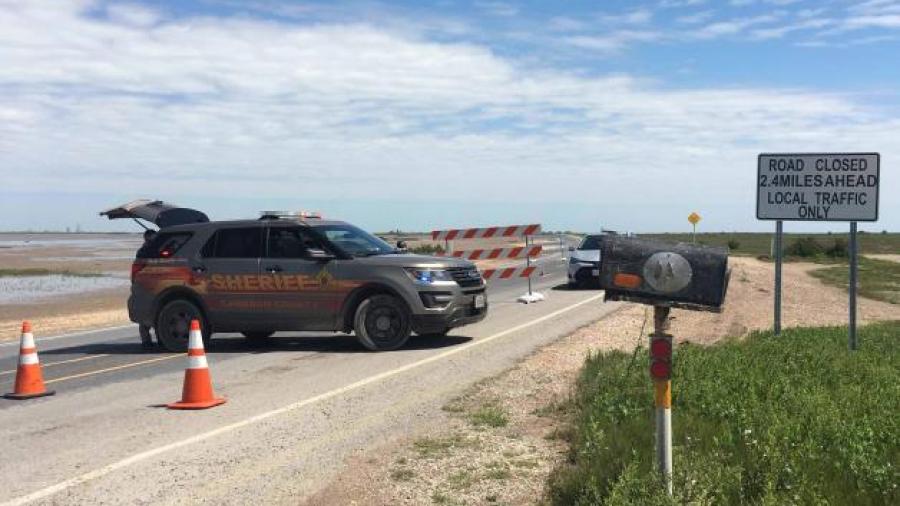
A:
[234,243]
[292,242]
[164,245]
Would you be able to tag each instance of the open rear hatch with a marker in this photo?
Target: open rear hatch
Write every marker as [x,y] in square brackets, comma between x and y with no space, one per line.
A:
[157,212]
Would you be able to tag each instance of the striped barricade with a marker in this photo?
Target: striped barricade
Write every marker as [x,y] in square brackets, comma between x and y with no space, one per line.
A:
[497,253]
[528,252]
[522,271]
[485,233]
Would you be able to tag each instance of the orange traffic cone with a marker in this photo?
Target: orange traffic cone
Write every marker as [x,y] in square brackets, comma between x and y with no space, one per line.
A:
[198,391]
[29,380]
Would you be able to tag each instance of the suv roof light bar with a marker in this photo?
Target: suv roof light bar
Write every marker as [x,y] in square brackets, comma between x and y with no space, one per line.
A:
[289,215]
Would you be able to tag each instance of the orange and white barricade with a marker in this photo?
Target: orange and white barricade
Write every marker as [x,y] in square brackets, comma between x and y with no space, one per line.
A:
[528,252]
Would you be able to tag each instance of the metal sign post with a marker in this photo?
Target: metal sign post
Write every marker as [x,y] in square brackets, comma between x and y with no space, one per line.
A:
[693,219]
[528,262]
[852,287]
[779,252]
[661,372]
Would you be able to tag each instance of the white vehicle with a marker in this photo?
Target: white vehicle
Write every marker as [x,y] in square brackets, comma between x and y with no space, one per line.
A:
[584,262]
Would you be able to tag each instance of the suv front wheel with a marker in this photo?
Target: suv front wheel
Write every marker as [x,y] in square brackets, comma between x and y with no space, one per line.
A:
[173,324]
[382,323]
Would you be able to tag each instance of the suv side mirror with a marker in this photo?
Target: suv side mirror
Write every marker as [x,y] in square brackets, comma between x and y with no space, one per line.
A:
[401,245]
[320,255]
[571,248]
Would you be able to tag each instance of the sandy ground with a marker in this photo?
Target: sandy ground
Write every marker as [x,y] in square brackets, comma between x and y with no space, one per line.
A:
[59,315]
[467,463]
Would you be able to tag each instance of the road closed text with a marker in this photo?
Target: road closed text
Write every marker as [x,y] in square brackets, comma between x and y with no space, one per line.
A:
[818,187]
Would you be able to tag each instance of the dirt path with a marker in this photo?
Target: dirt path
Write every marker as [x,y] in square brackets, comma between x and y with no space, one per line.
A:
[886,256]
[499,441]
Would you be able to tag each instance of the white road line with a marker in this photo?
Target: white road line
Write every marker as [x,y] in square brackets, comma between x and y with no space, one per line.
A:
[15,342]
[138,457]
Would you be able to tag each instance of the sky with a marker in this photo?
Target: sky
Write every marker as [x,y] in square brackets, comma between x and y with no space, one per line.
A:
[416,115]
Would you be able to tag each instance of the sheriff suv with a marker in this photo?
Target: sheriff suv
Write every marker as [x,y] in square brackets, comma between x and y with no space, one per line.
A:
[290,273]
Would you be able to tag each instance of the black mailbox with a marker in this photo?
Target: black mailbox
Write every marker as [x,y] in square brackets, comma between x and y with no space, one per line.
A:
[654,272]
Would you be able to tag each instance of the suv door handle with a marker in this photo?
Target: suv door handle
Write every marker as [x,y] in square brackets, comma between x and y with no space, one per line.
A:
[274,268]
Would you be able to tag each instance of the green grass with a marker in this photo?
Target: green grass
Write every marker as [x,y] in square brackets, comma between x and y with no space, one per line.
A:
[759,244]
[796,419]
[46,272]
[429,447]
[461,480]
[497,471]
[489,415]
[878,279]
[402,474]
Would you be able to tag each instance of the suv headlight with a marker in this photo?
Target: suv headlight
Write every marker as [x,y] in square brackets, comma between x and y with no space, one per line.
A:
[573,260]
[429,276]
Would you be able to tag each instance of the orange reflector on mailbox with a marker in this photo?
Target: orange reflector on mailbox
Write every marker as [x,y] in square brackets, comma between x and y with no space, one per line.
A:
[625,280]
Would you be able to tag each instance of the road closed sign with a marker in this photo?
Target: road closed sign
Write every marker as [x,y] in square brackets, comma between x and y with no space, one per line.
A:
[818,186]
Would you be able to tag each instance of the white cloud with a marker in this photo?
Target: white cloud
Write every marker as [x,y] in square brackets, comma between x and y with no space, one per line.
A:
[731,26]
[698,17]
[780,31]
[669,4]
[883,21]
[635,17]
[133,14]
[503,9]
[566,24]
[613,41]
[221,106]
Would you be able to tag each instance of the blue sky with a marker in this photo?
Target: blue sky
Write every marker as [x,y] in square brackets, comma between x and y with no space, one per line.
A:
[627,115]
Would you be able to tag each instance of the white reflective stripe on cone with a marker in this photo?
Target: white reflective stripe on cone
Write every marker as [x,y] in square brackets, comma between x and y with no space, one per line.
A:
[195,340]
[197,362]
[27,341]
[28,359]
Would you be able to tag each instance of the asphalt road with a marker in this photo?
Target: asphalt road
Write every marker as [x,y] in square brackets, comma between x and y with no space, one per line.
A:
[297,407]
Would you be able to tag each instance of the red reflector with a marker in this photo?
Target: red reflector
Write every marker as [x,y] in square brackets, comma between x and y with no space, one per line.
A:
[661,348]
[626,280]
[135,268]
[660,369]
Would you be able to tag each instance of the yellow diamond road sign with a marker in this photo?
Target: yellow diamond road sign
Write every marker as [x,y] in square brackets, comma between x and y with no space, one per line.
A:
[694,218]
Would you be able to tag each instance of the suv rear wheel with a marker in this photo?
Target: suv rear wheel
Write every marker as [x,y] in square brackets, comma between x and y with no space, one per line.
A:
[382,323]
[173,324]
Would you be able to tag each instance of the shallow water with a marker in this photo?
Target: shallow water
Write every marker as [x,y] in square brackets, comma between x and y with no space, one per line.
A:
[25,289]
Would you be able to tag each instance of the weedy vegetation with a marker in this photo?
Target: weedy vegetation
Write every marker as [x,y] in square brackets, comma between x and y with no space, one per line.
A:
[795,419]
[878,279]
[489,415]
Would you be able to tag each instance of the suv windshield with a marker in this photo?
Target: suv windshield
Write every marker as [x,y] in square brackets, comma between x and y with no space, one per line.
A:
[590,242]
[355,241]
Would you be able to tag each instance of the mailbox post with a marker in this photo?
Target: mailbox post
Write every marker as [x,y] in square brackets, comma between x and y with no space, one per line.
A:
[661,373]
[666,276]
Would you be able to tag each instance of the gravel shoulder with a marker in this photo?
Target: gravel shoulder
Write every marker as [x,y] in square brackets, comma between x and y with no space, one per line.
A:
[498,442]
